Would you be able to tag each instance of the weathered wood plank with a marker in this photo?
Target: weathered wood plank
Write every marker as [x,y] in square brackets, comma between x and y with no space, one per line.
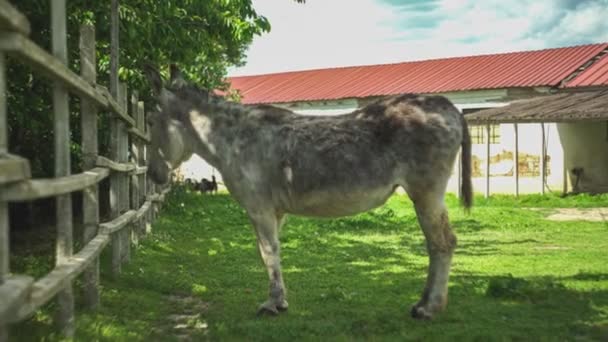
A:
[13,20]
[13,293]
[4,264]
[155,198]
[4,243]
[30,53]
[159,197]
[140,120]
[123,157]
[143,210]
[3,116]
[123,148]
[134,157]
[118,223]
[4,224]
[115,166]
[142,161]
[40,188]
[149,184]
[115,181]
[113,105]
[64,244]
[47,287]
[141,170]
[90,196]
[13,168]
[91,223]
[139,135]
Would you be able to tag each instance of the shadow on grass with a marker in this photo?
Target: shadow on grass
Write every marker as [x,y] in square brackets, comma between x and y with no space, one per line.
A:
[351,278]
[471,225]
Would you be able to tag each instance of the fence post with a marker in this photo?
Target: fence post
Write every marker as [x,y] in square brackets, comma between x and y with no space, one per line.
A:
[90,198]
[115,127]
[141,161]
[150,187]
[147,181]
[64,245]
[123,157]
[134,157]
[4,224]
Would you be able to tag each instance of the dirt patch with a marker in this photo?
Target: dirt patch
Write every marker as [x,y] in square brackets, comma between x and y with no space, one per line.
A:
[576,214]
[186,322]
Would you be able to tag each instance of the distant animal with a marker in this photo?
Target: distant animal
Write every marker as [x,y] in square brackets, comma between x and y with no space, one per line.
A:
[275,162]
[207,185]
[190,183]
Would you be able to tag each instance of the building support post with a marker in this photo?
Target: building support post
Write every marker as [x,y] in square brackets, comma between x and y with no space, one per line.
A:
[543,152]
[516,161]
[487,192]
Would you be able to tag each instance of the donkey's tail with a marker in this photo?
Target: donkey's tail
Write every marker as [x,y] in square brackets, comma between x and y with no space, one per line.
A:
[466,189]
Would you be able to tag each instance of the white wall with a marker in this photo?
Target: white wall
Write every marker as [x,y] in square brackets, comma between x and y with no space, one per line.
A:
[196,168]
[587,148]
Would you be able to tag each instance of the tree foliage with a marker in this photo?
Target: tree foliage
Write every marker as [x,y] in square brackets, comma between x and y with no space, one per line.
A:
[203,37]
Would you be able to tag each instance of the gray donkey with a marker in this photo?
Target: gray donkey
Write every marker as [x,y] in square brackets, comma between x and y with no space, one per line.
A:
[275,162]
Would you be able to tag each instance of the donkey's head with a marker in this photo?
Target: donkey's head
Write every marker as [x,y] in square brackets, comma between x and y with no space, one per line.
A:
[169,132]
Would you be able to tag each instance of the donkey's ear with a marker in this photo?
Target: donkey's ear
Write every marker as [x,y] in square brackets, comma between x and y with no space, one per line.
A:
[177,79]
[156,82]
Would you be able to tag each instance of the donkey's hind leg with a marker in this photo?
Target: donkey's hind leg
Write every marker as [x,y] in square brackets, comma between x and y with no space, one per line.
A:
[440,243]
[267,225]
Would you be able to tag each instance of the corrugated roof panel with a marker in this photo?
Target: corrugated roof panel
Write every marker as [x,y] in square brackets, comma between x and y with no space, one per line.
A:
[515,69]
[594,75]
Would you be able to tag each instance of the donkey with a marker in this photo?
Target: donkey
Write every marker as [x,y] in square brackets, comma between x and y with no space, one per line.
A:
[275,162]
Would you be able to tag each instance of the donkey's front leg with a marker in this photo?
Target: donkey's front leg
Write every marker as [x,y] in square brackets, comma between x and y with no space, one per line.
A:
[267,225]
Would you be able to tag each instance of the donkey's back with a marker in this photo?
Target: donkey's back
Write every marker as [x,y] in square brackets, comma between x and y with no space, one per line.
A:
[345,164]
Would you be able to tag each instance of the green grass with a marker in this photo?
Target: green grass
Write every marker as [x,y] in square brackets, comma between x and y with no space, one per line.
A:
[516,276]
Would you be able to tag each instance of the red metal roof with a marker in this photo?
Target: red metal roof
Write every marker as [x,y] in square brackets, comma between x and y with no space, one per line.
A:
[515,69]
[594,75]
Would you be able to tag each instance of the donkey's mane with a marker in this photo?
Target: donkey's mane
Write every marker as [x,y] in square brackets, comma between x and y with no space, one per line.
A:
[194,97]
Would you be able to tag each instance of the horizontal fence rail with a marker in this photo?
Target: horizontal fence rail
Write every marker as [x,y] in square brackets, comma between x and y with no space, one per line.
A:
[134,200]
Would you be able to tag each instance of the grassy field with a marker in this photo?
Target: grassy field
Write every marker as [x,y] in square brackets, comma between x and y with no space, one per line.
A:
[516,276]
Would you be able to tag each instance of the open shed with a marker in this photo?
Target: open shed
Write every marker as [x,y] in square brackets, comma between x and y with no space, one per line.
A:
[582,124]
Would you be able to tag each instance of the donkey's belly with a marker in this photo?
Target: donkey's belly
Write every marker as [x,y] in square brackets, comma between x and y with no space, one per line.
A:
[339,203]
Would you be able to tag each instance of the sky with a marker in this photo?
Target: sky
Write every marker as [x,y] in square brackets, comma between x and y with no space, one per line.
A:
[335,33]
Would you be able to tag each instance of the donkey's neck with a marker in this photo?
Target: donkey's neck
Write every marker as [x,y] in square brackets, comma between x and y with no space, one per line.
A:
[215,133]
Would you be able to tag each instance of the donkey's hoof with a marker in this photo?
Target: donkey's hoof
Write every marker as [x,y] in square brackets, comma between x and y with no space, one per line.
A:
[419,312]
[272,308]
[265,310]
[283,306]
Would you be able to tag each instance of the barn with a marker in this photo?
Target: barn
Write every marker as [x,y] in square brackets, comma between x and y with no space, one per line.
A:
[512,153]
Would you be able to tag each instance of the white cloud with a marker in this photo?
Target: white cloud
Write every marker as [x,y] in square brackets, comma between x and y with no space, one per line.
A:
[332,33]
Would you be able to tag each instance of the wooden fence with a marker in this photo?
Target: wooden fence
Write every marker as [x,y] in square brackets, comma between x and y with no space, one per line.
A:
[134,201]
